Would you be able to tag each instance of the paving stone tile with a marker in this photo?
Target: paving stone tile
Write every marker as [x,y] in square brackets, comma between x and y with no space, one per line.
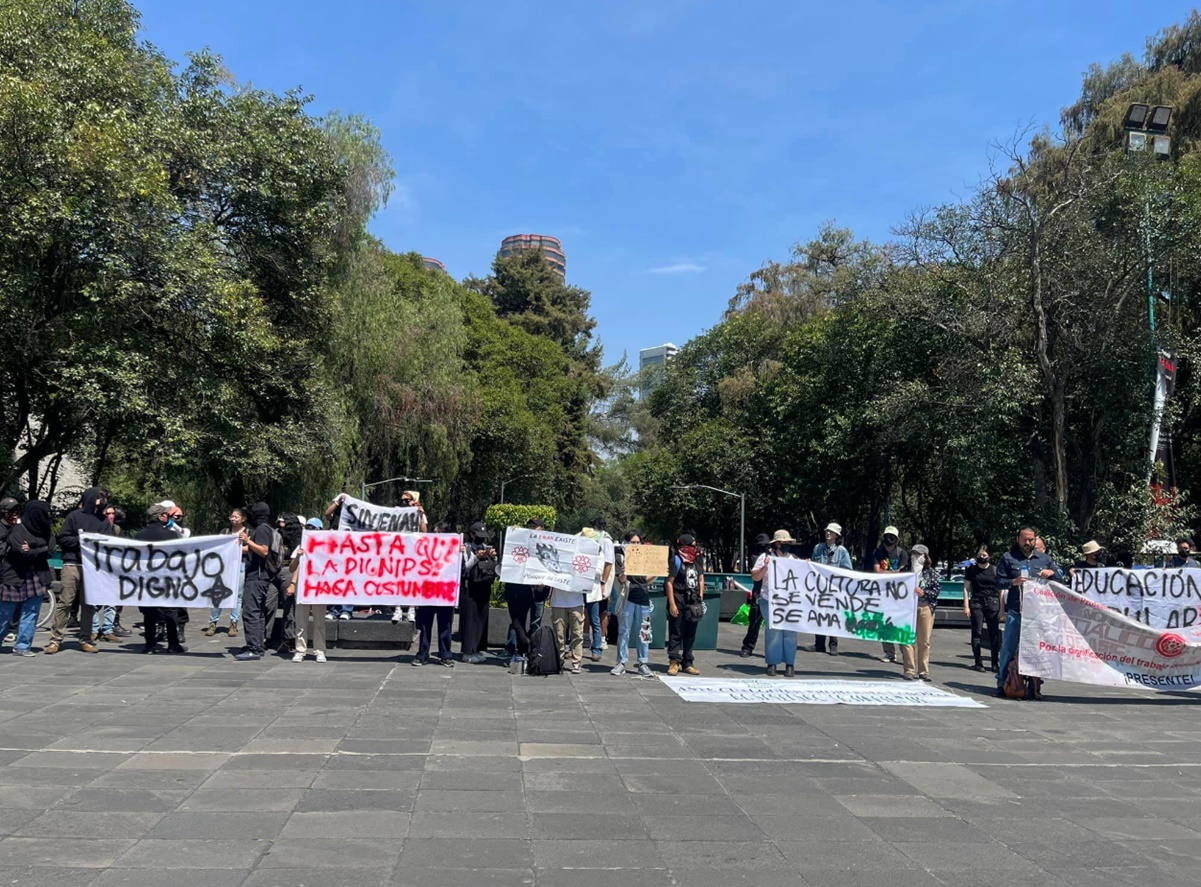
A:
[47,876]
[388,825]
[266,800]
[325,877]
[593,854]
[447,853]
[337,800]
[210,877]
[368,780]
[331,853]
[256,779]
[73,823]
[433,800]
[220,825]
[175,853]
[89,853]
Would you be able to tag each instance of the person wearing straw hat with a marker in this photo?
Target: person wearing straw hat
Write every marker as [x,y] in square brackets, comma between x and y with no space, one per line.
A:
[1092,551]
[780,645]
[832,553]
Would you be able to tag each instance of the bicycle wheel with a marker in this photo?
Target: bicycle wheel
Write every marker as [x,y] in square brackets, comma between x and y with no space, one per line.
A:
[49,602]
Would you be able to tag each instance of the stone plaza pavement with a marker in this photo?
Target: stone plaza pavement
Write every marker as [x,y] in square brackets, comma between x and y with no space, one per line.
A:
[123,769]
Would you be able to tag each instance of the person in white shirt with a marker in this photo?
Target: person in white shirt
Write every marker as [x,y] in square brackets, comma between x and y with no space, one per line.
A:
[780,645]
[597,602]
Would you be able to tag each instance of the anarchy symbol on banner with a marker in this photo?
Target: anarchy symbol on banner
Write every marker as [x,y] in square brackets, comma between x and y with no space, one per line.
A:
[521,554]
[582,563]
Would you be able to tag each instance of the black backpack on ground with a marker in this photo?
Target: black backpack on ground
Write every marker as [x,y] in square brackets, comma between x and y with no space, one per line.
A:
[544,652]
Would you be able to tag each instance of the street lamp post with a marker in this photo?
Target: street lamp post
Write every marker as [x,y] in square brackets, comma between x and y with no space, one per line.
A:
[379,483]
[503,483]
[742,516]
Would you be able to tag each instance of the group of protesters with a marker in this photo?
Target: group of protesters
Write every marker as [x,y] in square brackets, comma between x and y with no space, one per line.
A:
[271,556]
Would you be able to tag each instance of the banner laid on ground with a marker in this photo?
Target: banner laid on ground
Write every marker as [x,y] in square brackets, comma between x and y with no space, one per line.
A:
[646,560]
[556,560]
[360,516]
[1160,598]
[386,569]
[805,596]
[201,571]
[815,692]
[1067,637]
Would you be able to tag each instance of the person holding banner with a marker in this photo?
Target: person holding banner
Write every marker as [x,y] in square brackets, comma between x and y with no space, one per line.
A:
[780,646]
[87,518]
[157,530]
[1184,554]
[306,612]
[425,617]
[831,553]
[890,558]
[1021,564]
[258,577]
[597,600]
[25,572]
[755,620]
[479,572]
[928,588]
[238,520]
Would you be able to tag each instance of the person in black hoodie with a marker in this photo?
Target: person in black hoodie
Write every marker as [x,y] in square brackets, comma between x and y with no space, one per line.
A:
[257,540]
[88,518]
[25,572]
[157,530]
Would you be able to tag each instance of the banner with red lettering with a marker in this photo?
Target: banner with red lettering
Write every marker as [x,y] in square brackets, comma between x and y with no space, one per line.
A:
[1067,637]
[386,569]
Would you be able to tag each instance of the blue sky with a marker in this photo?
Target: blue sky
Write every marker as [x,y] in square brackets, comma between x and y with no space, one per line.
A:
[672,145]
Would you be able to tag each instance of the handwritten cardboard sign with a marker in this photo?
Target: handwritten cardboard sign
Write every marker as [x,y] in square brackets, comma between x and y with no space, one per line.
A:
[646,560]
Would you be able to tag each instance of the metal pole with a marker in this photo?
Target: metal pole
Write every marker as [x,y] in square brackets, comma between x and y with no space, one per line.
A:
[1160,389]
[742,533]
[502,491]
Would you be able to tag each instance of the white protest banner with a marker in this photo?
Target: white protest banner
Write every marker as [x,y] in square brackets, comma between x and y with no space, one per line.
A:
[1067,637]
[646,560]
[812,597]
[556,560]
[388,569]
[201,571]
[360,516]
[1160,598]
[815,692]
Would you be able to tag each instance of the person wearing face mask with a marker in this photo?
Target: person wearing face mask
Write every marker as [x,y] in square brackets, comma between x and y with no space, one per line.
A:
[24,569]
[1184,554]
[425,618]
[982,604]
[832,553]
[780,645]
[157,529]
[917,655]
[257,539]
[755,619]
[87,518]
[890,558]
[479,572]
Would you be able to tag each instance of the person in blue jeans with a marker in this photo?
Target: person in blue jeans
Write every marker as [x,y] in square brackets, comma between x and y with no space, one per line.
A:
[25,572]
[1021,564]
[780,645]
[635,616]
[832,553]
[595,604]
[239,519]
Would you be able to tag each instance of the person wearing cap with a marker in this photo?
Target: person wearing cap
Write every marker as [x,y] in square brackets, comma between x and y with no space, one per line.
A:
[1184,554]
[982,604]
[780,645]
[410,499]
[917,662]
[832,553]
[306,613]
[685,604]
[157,530]
[755,619]
[890,557]
[479,572]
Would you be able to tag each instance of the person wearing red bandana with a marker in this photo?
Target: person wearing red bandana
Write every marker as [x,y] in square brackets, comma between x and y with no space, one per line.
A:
[685,605]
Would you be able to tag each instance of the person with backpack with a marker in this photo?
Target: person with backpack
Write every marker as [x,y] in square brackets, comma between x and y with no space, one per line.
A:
[830,552]
[685,604]
[424,619]
[25,548]
[264,560]
[635,615]
[780,646]
[479,573]
[525,610]
[87,518]
[157,530]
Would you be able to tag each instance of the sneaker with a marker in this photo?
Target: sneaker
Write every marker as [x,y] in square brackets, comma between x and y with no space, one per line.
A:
[298,656]
[888,658]
[771,671]
[644,670]
[673,669]
[618,670]
[233,629]
[909,677]
[604,646]
[119,631]
[329,617]
[417,663]
[692,670]
[345,617]
[320,657]
[211,630]
[448,663]
[88,647]
[176,648]
[397,613]
[789,671]
[410,615]
[25,652]
[149,648]
[575,668]
[248,656]
[745,654]
[832,650]
[477,659]
[925,676]
[979,666]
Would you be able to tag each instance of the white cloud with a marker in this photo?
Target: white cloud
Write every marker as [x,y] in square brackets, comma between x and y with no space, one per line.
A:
[678,268]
